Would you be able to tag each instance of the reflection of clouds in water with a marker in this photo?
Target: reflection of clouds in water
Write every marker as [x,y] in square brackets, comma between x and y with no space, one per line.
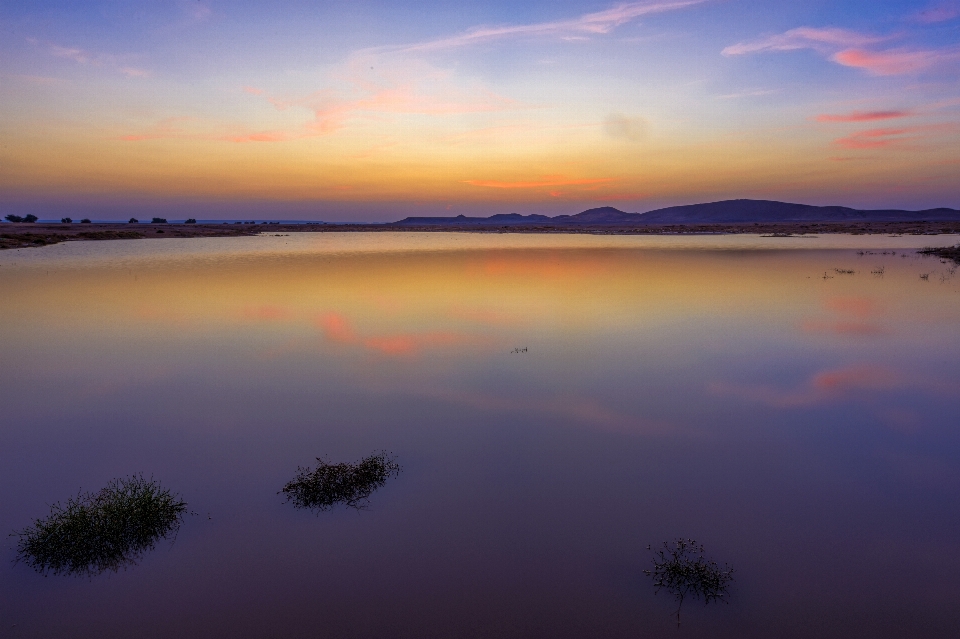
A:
[852,316]
[337,328]
[265,313]
[836,385]
[582,409]
[825,386]
[484,316]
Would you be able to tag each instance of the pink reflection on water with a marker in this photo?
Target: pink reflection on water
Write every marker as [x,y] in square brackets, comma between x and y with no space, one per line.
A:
[823,387]
[338,329]
[266,313]
[852,316]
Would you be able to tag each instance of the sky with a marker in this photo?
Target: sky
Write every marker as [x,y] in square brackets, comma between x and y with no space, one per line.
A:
[372,111]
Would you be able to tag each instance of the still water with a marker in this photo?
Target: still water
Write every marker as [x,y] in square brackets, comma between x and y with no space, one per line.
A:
[557,404]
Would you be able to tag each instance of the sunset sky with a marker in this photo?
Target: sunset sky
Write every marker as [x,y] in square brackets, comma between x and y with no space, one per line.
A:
[371,111]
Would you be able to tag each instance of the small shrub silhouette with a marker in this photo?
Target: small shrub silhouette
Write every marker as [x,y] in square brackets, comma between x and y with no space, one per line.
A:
[190,221]
[158,220]
[66,220]
[327,485]
[682,570]
[107,530]
[133,220]
[86,220]
[13,218]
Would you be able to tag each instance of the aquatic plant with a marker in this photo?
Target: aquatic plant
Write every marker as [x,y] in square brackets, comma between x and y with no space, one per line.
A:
[106,530]
[682,570]
[946,252]
[327,485]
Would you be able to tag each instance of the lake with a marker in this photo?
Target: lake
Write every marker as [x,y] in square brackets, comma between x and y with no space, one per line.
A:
[557,403]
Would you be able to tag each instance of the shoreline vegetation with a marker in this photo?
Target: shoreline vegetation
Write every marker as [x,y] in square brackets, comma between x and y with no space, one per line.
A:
[30,235]
[945,252]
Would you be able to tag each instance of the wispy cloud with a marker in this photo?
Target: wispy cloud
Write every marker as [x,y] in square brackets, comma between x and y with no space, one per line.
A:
[556,181]
[195,10]
[820,39]
[749,93]
[84,57]
[894,61]
[864,116]
[891,137]
[849,48]
[588,24]
[938,13]
[625,127]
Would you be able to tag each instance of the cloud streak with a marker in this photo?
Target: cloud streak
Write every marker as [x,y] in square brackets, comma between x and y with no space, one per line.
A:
[863,116]
[850,49]
[890,136]
[598,23]
[558,181]
[89,58]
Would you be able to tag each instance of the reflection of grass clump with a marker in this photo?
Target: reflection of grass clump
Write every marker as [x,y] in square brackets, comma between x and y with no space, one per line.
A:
[946,252]
[106,530]
[682,571]
[350,484]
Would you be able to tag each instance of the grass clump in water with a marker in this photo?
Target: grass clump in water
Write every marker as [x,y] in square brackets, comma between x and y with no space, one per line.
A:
[328,484]
[682,570]
[106,530]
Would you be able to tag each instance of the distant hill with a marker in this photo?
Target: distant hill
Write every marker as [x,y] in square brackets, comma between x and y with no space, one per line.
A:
[726,212]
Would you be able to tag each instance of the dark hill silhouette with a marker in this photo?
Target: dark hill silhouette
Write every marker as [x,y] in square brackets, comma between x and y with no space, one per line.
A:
[726,212]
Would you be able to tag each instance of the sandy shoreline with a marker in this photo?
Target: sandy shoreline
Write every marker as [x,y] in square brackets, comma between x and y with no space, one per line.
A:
[38,234]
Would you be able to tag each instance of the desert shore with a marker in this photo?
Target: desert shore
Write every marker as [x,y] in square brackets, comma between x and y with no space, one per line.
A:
[40,234]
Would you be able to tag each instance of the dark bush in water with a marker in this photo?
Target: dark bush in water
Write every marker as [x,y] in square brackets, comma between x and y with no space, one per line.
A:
[106,530]
[350,484]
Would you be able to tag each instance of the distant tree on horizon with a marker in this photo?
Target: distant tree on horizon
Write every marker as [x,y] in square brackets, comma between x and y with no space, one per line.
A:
[159,220]
[133,220]
[13,218]
[66,220]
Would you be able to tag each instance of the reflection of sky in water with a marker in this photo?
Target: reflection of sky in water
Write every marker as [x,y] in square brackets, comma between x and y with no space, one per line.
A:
[802,427]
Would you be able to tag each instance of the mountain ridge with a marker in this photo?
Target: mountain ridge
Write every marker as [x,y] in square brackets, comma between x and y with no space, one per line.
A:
[741,211]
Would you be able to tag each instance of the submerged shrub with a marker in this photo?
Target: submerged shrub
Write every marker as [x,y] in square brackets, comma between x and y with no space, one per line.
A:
[329,484]
[107,530]
[682,570]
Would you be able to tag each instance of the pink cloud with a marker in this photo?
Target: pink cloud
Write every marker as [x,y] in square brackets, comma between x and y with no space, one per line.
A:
[536,184]
[891,62]
[84,57]
[252,90]
[864,116]
[889,137]
[849,48]
[822,39]
[597,23]
[939,13]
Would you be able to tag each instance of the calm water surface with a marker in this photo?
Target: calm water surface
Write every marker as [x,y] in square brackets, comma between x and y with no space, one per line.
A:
[798,419]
